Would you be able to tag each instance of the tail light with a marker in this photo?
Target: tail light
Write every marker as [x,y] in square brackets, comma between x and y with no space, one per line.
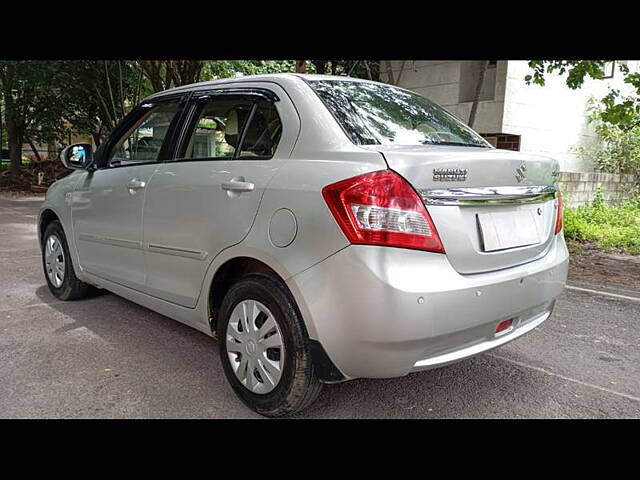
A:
[381,208]
[559,213]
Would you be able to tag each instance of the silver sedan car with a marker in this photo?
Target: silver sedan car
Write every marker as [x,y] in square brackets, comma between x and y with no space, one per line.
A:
[322,228]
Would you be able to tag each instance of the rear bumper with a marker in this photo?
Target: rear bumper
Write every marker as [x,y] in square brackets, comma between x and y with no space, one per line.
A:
[384,312]
[457,353]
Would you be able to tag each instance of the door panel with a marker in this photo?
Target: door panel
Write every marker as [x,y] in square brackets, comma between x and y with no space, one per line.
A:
[107,203]
[196,208]
[189,219]
[107,218]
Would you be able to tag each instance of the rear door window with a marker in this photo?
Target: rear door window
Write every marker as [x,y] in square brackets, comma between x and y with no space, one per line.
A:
[230,127]
[216,132]
[263,133]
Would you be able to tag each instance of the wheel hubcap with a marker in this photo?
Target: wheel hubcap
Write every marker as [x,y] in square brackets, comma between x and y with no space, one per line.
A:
[255,347]
[54,260]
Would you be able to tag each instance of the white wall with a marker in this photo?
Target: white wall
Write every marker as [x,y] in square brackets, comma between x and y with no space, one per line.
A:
[439,81]
[551,120]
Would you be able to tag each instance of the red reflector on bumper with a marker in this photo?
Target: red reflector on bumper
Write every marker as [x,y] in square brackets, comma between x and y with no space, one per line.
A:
[504,325]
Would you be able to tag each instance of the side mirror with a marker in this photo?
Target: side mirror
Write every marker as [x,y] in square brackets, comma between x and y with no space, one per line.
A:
[77,156]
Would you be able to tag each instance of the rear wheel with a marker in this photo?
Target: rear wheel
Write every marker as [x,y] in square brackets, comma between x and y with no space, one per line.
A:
[264,347]
[58,268]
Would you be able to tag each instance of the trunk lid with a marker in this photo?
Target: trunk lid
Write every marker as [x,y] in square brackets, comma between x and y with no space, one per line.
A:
[493,209]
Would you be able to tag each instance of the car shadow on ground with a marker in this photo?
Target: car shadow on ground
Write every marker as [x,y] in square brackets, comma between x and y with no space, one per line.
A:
[478,387]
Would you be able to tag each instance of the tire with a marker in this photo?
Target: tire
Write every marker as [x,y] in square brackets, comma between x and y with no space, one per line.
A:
[298,385]
[70,288]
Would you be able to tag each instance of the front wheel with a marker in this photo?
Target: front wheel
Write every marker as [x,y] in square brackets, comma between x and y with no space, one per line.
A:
[264,347]
[58,268]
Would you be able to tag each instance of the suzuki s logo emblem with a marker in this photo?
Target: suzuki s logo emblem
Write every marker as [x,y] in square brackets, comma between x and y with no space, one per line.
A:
[521,173]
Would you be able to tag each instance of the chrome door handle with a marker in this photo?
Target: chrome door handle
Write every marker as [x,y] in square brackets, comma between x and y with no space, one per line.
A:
[135,184]
[238,185]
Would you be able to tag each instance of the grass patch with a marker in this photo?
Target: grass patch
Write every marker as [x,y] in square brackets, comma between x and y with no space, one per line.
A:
[609,228]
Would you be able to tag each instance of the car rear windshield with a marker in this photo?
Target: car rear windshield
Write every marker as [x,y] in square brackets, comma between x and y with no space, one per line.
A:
[376,114]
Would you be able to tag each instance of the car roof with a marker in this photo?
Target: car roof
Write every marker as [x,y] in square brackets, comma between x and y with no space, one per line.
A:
[256,78]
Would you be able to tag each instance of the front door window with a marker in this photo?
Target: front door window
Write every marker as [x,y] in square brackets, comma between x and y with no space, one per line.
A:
[143,142]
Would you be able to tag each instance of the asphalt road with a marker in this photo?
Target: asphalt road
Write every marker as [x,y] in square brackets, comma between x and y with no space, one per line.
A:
[106,357]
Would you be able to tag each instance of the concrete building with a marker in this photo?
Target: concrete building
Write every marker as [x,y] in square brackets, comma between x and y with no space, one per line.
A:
[549,120]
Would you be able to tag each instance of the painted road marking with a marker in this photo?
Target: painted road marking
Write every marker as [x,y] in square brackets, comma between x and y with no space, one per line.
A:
[600,292]
[563,377]
[7,310]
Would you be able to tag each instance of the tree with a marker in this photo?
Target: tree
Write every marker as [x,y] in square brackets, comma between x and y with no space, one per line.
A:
[391,78]
[369,69]
[622,111]
[33,105]
[332,67]
[301,66]
[100,93]
[356,68]
[165,74]
[213,70]
[45,101]
[617,150]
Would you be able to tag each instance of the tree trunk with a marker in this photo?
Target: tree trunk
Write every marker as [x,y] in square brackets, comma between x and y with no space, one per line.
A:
[476,97]
[397,82]
[366,65]
[151,69]
[301,66]
[15,137]
[15,134]
[35,150]
[390,78]
[321,66]
[113,103]
[97,138]
[52,151]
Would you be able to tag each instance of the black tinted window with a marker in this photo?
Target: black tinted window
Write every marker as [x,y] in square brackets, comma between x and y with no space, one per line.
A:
[382,114]
[263,132]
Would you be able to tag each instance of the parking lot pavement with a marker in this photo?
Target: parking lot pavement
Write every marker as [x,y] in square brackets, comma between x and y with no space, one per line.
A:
[106,357]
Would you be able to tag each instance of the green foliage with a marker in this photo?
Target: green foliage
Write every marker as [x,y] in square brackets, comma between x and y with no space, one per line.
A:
[213,70]
[618,110]
[577,71]
[617,149]
[45,101]
[621,111]
[99,94]
[610,228]
[32,99]
[230,68]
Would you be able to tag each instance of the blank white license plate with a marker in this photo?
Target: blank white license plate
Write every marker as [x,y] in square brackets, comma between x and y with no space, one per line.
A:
[502,230]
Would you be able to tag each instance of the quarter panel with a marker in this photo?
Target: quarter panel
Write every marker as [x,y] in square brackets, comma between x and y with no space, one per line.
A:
[298,188]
